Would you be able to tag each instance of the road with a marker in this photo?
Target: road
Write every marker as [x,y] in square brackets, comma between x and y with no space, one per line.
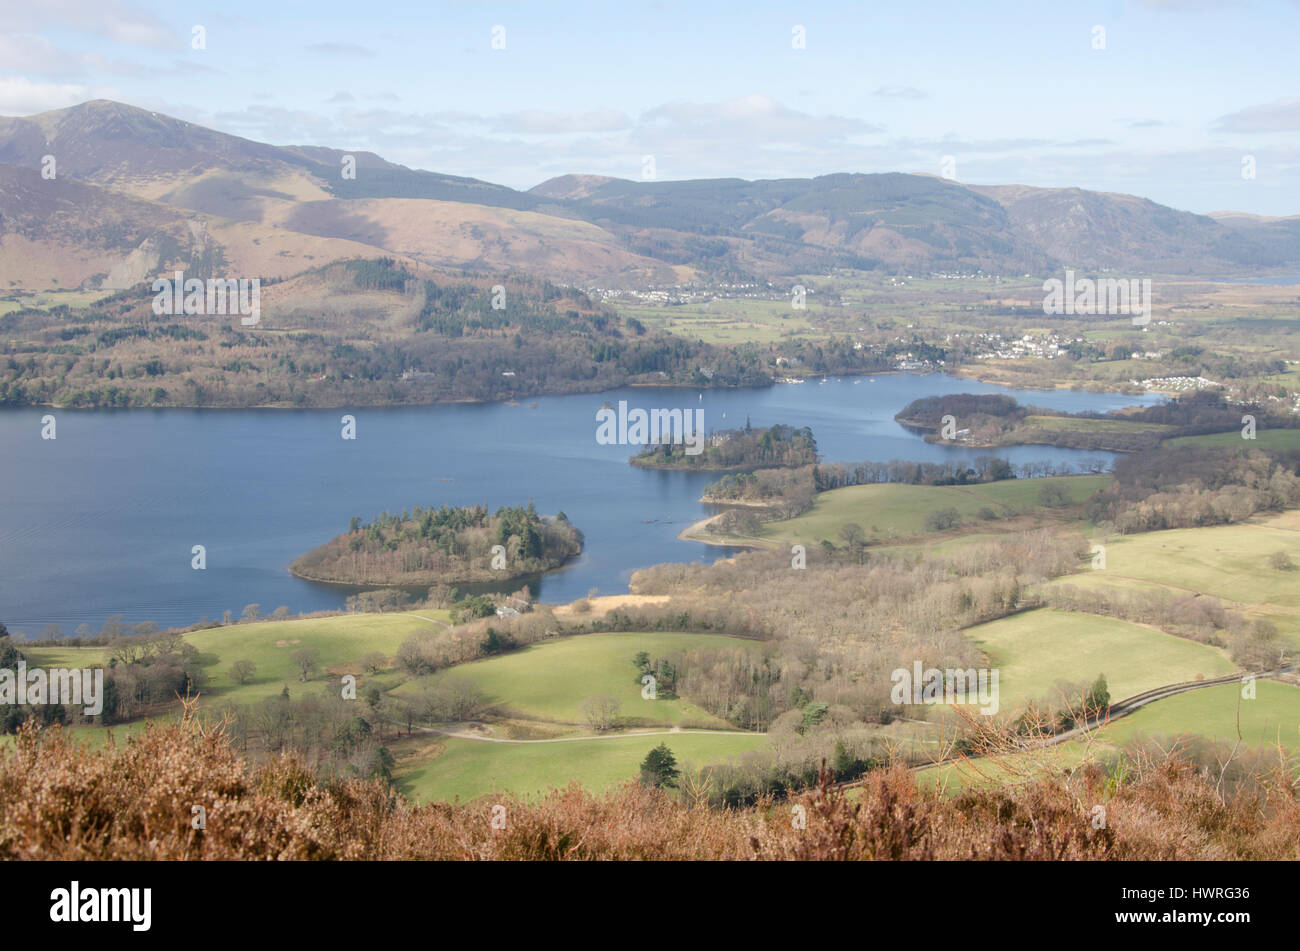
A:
[1122,708]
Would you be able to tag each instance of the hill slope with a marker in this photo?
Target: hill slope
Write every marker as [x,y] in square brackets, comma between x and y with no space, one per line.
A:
[208,199]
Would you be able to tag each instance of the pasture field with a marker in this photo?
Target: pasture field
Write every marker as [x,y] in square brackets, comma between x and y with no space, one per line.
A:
[731,321]
[44,300]
[1290,377]
[888,511]
[342,641]
[1272,717]
[452,768]
[1022,495]
[1036,650]
[64,656]
[95,737]
[1264,439]
[1229,562]
[549,681]
[1062,423]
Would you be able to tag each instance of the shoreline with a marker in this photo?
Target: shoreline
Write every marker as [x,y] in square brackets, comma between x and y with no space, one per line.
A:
[686,535]
[959,373]
[371,585]
[735,503]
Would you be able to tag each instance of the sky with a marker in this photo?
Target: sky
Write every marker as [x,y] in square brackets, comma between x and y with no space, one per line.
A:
[1191,103]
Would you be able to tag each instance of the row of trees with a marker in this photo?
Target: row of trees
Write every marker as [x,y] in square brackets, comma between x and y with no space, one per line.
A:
[334,736]
[115,629]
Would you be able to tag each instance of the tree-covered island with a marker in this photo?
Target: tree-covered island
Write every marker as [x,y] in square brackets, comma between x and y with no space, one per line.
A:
[777,446]
[447,545]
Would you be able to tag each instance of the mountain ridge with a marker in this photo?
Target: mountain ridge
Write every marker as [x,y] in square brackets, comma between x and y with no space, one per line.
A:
[312,202]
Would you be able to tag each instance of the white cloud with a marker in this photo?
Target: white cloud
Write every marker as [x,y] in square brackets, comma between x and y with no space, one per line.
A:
[20,96]
[1282,115]
[31,53]
[745,123]
[340,49]
[561,123]
[106,18]
[901,92]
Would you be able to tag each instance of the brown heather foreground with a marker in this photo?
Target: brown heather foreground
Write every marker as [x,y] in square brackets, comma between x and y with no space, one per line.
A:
[60,800]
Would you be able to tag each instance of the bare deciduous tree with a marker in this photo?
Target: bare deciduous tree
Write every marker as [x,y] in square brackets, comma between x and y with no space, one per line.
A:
[242,671]
[852,533]
[306,659]
[601,711]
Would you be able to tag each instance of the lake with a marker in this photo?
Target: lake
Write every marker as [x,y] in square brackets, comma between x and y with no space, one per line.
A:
[102,519]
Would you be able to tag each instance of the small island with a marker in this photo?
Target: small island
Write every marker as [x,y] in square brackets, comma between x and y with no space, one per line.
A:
[991,421]
[778,446]
[986,420]
[447,545]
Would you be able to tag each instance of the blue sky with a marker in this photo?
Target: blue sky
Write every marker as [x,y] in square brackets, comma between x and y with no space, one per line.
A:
[1014,92]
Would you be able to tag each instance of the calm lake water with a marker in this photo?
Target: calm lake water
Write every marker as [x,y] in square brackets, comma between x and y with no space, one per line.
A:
[101,520]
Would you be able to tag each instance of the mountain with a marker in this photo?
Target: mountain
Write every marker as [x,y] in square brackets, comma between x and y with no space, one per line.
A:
[1122,232]
[253,208]
[571,186]
[1279,237]
[155,156]
[136,192]
[62,234]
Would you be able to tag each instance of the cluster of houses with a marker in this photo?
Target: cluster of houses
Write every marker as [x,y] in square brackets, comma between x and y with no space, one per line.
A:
[906,362]
[688,293]
[1182,384]
[1047,347]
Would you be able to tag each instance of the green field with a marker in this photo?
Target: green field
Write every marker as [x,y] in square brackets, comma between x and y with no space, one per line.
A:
[342,640]
[470,768]
[1264,439]
[1072,424]
[44,300]
[1230,562]
[1036,650]
[64,656]
[892,510]
[731,321]
[95,737]
[1023,494]
[539,691]
[1273,716]
[549,681]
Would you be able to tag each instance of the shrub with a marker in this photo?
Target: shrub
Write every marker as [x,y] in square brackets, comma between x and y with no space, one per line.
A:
[943,520]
